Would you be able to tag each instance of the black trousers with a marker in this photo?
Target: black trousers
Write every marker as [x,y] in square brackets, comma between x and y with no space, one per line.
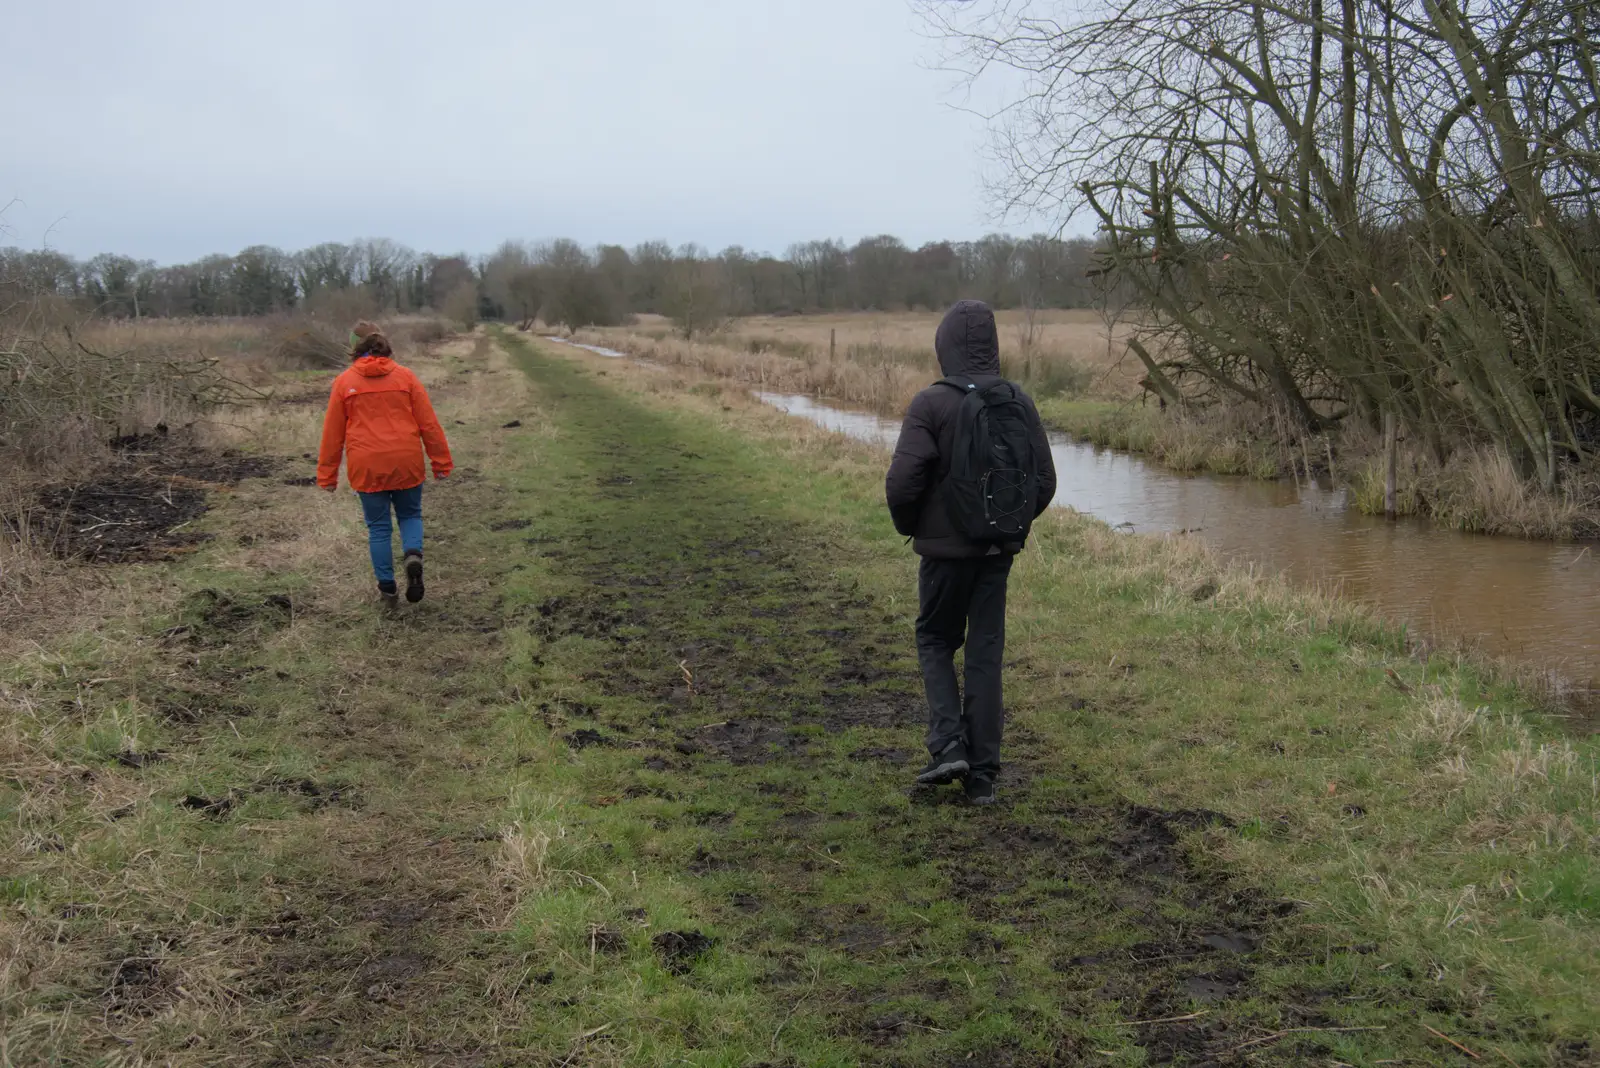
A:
[964,603]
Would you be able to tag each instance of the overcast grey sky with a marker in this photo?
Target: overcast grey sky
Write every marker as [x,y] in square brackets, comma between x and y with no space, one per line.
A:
[174,128]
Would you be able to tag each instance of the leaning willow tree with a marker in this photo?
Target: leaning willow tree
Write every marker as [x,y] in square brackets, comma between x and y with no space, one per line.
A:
[1338,209]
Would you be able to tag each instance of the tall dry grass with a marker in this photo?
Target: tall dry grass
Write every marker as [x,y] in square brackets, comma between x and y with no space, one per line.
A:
[883,387]
[1477,490]
[1030,343]
[64,392]
[1480,491]
[880,361]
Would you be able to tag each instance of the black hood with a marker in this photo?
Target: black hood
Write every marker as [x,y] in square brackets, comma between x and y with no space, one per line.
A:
[968,343]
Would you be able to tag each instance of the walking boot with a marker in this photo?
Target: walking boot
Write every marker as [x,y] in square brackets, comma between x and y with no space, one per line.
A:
[980,790]
[414,577]
[389,595]
[945,766]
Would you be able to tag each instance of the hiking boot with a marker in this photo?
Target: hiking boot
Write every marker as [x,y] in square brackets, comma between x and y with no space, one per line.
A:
[980,791]
[946,766]
[413,577]
[389,595]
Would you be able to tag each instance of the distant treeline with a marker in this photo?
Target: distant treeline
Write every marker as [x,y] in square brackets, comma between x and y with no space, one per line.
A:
[562,281]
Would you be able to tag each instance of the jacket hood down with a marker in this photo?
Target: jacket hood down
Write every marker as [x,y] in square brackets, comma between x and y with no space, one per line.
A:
[967,341]
[373,366]
[380,421]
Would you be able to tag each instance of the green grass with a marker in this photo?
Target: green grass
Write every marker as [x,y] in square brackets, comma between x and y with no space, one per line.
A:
[663,689]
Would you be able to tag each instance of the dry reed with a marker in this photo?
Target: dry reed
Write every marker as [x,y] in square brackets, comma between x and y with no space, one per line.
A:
[878,361]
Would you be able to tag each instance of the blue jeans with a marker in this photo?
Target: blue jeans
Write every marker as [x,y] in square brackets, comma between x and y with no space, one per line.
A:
[407,504]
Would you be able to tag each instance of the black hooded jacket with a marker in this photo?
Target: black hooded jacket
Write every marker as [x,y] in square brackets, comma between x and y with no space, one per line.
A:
[968,344]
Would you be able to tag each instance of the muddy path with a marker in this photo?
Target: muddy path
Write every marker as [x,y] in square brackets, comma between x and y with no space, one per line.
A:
[631,787]
[733,678]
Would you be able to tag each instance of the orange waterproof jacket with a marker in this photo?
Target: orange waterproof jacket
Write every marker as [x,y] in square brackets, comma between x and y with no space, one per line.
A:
[380,418]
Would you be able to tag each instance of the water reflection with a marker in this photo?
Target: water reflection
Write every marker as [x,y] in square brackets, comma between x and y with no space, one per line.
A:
[598,350]
[863,426]
[1535,601]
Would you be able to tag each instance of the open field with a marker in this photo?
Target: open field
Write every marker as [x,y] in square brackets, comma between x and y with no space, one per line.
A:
[879,360]
[1075,337]
[630,786]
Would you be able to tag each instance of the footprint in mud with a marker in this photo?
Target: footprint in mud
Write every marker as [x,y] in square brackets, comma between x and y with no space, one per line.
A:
[383,977]
[607,940]
[680,951]
[1208,989]
[586,737]
[884,753]
[215,807]
[1230,942]
[137,985]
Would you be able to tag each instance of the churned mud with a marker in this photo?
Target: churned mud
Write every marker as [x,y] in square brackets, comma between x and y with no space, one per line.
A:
[143,504]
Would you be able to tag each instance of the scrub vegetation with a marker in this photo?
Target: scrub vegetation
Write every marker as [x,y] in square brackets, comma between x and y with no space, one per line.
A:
[630,787]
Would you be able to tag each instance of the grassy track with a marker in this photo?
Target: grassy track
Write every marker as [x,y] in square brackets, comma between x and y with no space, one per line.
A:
[631,788]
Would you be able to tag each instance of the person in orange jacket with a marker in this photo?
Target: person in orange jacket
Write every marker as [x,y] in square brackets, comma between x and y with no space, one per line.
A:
[380,420]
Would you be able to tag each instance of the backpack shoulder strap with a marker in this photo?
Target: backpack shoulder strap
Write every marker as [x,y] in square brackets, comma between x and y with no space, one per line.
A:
[959,382]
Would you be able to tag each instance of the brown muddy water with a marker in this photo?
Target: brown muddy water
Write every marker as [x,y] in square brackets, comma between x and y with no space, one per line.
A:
[1534,602]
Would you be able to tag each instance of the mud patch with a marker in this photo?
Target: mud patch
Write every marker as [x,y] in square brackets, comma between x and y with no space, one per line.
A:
[215,807]
[138,984]
[894,1028]
[118,520]
[559,617]
[583,739]
[680,951]
[745,742]
[197,700]
[887,754]
[384,979]
[141,506]
[316,795]
[170,456]
[606,940]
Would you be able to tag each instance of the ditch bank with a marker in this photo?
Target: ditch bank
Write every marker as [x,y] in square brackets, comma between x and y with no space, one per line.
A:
[1529,602]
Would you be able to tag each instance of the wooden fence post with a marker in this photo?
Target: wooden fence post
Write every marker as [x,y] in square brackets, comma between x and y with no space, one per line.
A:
[1389,462]
[833,338]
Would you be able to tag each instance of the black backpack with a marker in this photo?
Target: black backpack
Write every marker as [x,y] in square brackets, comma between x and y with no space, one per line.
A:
[993,485]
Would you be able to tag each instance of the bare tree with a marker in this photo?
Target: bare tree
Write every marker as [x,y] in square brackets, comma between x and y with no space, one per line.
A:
[1335,210]
[695,296]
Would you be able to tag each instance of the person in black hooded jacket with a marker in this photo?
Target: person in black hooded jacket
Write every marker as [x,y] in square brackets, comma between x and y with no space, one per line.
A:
[961,583]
